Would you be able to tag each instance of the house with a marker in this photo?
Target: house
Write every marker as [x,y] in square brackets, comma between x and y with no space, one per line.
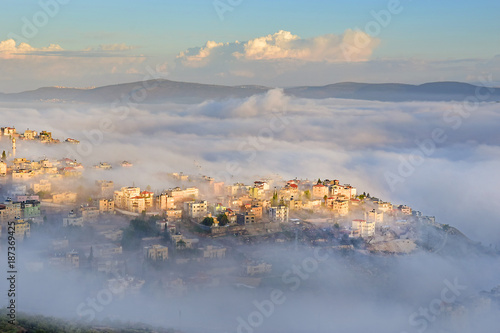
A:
[341,207]
[245,218]
[29,134]
[42,186]
[196,209]
[165,202]
[106,206]
[362,228]
[8,131]
[64,198]
[106,250]
[319,191]
[404,209]
[179,195]
[213,252]
[258,268]
[106,188]
[9,211]
[89,214]
[22,229]
[156,252]
[133,200]
[279,213]
[374,216]
[73,219]
[3,169]
[22,174]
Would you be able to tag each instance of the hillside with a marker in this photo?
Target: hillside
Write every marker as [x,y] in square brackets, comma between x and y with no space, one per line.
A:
[162,91]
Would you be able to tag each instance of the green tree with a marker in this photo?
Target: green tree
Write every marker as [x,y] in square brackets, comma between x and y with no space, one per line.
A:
[208,221]
[4,156]
[307,194]
[223,219]
[274,200]
[181,244]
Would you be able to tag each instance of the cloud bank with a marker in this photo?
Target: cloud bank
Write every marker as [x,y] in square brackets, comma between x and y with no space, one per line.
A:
[359,142]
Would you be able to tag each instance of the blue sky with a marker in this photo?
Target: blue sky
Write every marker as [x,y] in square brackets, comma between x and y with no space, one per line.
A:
[424,30]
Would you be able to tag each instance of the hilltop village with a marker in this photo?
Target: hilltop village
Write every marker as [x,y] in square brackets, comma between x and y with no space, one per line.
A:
[199,231]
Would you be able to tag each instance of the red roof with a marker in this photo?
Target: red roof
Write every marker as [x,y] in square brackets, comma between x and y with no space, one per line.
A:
[294,185]
[319,185]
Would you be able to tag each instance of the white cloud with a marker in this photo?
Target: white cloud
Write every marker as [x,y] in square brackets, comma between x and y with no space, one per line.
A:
[10,50]
[328,48]
[283,45]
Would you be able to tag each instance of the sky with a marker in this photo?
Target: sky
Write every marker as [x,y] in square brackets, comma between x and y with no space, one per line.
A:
[278,43]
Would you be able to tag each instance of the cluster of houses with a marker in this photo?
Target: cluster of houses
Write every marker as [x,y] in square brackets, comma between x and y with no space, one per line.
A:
[43,136]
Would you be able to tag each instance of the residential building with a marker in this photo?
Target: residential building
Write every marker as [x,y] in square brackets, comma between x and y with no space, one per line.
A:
[165,202]
[22,229]
[29,134]
[89,214]
[245,218]
[3,169]
[106,206]
[156,252]
[64,198]
[43,185]
[374,216]
[213,252]
[196,209]
[10,211]
[279,213]
[73,219]
[106,188]
[362,228]
[405,209]
[258,268]
[319,191]
[341,207]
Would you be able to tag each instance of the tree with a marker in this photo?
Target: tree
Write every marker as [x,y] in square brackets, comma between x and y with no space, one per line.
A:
[324,198]
[319,181]
[223,219]
[4,156]
[181,244]
[208,221]
[274,200]
[307,194]
[91,255]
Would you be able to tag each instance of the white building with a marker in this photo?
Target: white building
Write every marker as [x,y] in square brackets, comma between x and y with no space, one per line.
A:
[279,214]
[196,209]
[362,228]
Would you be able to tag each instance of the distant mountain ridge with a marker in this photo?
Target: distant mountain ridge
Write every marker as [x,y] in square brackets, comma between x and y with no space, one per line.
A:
[397,92]
[161,91]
